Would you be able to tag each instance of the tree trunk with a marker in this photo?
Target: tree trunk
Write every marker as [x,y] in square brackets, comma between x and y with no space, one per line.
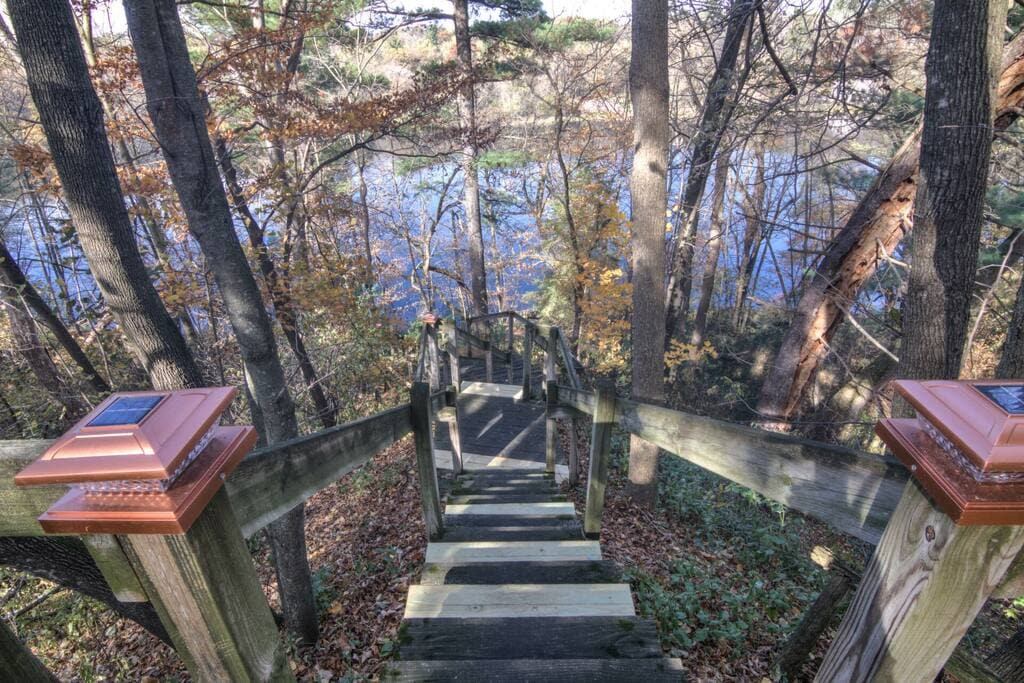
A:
[872,231]
[713,121]
[12,273]
[753,209]
[648,89]
[715,234]
[178,115]
[956,141]
[1007,662]
[72,121]
[470,181]
[64,560]
[1011,363]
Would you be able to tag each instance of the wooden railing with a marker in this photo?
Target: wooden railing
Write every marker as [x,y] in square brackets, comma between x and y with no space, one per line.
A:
[205,589]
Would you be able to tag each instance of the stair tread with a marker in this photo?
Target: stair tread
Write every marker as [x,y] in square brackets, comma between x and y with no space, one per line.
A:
[537,670]
[594,571]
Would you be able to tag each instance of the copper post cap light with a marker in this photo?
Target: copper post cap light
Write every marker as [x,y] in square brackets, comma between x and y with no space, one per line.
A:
[141,462]
[965,446]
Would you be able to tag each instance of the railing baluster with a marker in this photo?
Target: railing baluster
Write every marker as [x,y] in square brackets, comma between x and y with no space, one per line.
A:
[419,404]
[528,333]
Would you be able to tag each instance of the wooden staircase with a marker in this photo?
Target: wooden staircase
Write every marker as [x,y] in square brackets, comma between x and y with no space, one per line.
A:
[514,592]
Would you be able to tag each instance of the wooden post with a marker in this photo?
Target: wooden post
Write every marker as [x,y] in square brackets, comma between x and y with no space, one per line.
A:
[511,342]
[528,333]
[17,663]
[204,587]
[453,431]
[117,570]
[551,428]
[574,453]
[423,434]
[451,346]
[433,373]
[600,445]
[488,362]
[921,591]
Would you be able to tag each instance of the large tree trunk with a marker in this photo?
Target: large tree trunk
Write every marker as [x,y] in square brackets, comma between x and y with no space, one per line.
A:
[178,115]
[1011,363]
[15,278]
[956,141]
[753,235]
[648,89]
[72,121]
[713,121]
[470,181]
[715,234]
[64,560]
[873,230]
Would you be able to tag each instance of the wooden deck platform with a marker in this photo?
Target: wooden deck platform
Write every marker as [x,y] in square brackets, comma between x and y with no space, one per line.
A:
[513,591]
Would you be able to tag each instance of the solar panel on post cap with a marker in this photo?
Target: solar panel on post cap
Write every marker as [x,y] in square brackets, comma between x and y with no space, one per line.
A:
[965,447]
[141,462]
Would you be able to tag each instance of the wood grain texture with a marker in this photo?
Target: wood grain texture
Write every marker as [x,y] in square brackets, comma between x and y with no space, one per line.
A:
[920,592]
[530,637]
[423,434]
[597,571]
[852,491]
[204,586]
[513,533]
[271,481]
[520,600]
[538,671]
[513,551]
[110,559]
[600,446]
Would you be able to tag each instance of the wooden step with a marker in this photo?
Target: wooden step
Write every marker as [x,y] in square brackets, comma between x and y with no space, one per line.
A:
[460,489]
[537,671]
[513,551]
[603,571]
[520,600]
[529,638]
[567,532]
[507,520]
[477,498]
[507,473]
[551,509]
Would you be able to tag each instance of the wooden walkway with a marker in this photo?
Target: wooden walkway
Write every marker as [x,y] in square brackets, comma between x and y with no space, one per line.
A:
[513,591]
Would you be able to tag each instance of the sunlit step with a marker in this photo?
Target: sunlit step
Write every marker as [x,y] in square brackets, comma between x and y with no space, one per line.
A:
[521,600]
[513,551]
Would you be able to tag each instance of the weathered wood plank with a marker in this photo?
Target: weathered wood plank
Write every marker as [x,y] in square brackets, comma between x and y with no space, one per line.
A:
[854,492]
[520,600]
[568,362]
[21,507]
[580,400]
[462,534]
[508,520]
[203,585]
[529,637]
[271,481]
[477,498]
[513,551]
[554,509]
[117,570]
[600,446]
[423,433]
[603,571]
[538,671]
[921,591]
[463,488]
[527,362]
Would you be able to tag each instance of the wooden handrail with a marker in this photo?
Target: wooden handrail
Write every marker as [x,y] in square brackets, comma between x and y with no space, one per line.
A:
[852,491]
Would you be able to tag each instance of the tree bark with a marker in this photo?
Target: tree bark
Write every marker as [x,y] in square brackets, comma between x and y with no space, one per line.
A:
[713,121]
[15,278]
[1011,362]
[1007,662]
[715,234]
[72,121]
[649,91]
[873,230]
[956,140]
[470,181]
[753,209]
[178,115]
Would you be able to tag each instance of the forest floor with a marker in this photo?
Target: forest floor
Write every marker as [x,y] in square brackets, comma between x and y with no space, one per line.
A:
[725,574]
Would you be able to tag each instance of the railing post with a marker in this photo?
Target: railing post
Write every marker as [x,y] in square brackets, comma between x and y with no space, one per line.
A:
[204,587]
[528,333]
[423,434]
[600,445]
[511,342]
[17,663]
[488,362]
[451,346]
[574,453]
[451,399]
[433,369]
[551,428]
